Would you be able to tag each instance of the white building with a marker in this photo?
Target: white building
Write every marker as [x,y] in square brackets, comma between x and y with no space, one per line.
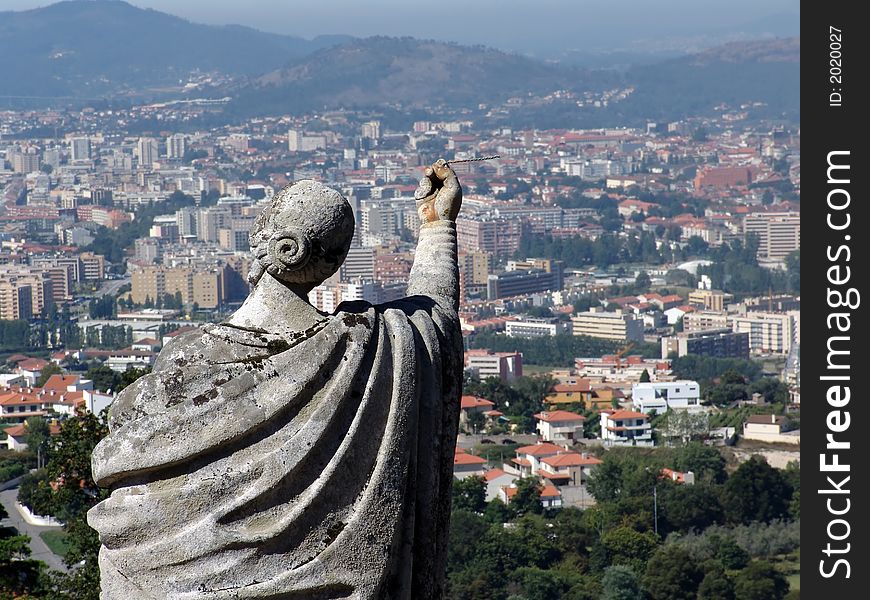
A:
[768,332]
[560,426]
[662,395]
[625,428]
[608,326]
[529,328]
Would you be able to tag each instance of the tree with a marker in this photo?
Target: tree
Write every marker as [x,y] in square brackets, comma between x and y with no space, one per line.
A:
[527,500]
[691,507]
[760,581]
[620,583]
[756,492]
[644,376]
[76,492]
[672,574]
[38,438]
[20,576]
[49,370]
[642,281]
[469,494]
[716,584]
[625,546]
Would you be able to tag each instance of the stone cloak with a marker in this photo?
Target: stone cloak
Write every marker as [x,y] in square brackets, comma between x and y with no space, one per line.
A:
[249,465]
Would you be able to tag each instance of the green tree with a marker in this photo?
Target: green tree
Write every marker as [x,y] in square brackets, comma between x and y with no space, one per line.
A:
[672,574]
[38,438]
[756,492]
[644,376]
[760,581]
[20,576]
[716,584]
[70,465]
[469,494]
[642,281]
[625,546]
[527,500]
[620,583]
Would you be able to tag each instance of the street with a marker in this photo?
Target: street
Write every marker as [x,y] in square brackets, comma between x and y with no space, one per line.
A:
[39,550]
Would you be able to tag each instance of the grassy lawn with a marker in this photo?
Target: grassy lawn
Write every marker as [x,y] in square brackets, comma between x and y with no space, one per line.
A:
[56,541]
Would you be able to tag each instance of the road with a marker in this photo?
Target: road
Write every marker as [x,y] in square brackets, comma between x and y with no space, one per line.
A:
[39,550]
[110,287]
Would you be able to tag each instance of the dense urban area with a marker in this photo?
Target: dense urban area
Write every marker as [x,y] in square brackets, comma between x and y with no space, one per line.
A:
[630,302]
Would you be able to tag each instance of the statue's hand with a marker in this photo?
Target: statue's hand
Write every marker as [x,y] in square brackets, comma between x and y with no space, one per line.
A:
[439,195]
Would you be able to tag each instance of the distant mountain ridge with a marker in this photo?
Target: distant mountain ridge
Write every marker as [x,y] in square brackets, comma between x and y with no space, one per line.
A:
[90,49]
[385,70]
[85,48]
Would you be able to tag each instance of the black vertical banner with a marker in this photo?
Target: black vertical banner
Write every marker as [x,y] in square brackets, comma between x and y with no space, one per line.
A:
[835,437]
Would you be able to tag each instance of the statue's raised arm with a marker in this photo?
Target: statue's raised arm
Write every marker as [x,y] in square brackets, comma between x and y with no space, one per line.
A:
[287,453]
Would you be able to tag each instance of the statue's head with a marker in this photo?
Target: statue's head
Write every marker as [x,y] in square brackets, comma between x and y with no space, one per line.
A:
[303,236]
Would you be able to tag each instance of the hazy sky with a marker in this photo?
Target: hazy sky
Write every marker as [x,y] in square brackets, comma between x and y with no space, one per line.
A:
[537,26]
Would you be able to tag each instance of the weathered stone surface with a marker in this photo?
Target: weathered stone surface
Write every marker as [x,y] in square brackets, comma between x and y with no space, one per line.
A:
[290,454]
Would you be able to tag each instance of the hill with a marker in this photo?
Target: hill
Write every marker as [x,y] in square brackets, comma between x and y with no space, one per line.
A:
[414,73]
[83,48]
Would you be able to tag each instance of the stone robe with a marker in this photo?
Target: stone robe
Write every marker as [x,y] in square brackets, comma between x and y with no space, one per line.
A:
[249,465]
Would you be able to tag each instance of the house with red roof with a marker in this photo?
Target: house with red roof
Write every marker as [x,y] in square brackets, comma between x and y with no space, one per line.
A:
[528,458]
[551,497]
[471,405]
[495,480]
[625,428]
[579,392]
[465,464]
[560,426]
[16,436]
[687,478]
[31,369]
[570,468]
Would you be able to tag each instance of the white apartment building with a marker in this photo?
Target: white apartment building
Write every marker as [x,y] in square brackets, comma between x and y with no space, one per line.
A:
[768,332]
[560,426]
[662,395]
[625,428]
[608,326]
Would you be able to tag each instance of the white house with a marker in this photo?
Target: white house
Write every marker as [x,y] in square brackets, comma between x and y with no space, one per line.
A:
[551,497]
[570,468]
[626,428]
[769,428]
[495,480]
[662,395]
[560,426]
[528,459]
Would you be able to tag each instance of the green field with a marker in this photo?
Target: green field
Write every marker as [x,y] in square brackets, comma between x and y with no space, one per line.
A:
[56,541]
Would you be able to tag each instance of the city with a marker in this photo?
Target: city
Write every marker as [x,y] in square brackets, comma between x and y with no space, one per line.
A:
[629,303]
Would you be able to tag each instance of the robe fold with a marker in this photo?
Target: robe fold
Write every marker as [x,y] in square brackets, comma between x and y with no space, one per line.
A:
[251,465]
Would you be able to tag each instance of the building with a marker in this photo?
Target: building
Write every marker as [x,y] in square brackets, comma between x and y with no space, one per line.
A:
[80,149]
[779,234]
[769,333]
[568,469]
[577,393]
[608,326]
[625,428]
[551,497]
[466,465]
[529,327]
[148,151]
[560,426]
[710,300]
[497,236]
[522,283]
[705,320]
[206,286]
[663,395]
[482,363]
[528,458]
[176,146]
[472,405]
[722,177]
[722,343]
[770,428]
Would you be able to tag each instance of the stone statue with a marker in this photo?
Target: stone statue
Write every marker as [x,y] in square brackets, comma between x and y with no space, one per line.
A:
[287,453]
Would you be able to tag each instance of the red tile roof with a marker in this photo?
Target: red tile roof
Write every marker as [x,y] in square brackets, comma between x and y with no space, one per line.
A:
[468,459]
[558,415]
[570,459]
[544,449]
[474,402]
